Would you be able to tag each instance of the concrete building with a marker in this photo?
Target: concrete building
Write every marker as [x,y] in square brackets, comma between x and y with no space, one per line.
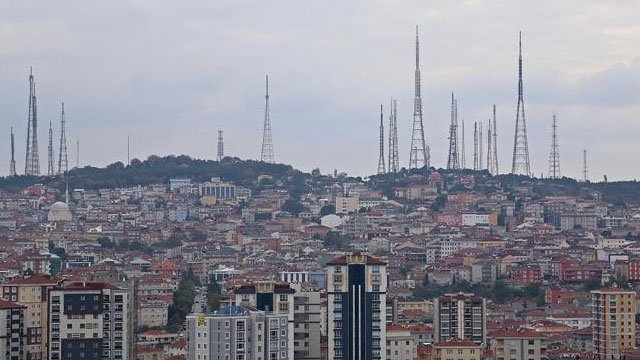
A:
[614,323]
[300,304]
[89,320]
[460,316]
[32,292]
[518,345]
[218,189]
[346,205]
[456,349]
[12,331]
[239,333]
[400,344]
[356,290]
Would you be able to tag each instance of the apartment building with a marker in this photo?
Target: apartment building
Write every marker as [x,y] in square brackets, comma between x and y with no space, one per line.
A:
[460,316]
[12,331]
[613,313]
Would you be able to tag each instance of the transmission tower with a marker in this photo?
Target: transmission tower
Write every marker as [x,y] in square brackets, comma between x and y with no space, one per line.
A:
[480,146]
[494,133]
[394,162]
[453,160]
[489,148]
[419,154]
[32,161]
[220,146]
[463,164]
[585,169]
[520,163]
[78,154]
[267,142]
[381,166]
[554,156]
[50,152]
[476,161]
[63,164]
[12,164]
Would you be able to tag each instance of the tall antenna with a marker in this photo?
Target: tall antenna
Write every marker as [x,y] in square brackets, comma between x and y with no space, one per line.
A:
[480,146]
[463,164]
[220,146]
[520,163]
[78,154]
[12,164]
[50,152]
[453,160]
[494,132]
[554,155]
[489,148]
[63,164]
[394,161]
[476,161]
[585,169]
[267,144]
[128,150]
[419,154]
[32,161]
[381,167]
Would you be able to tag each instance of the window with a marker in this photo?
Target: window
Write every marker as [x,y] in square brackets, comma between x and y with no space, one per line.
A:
[283,297]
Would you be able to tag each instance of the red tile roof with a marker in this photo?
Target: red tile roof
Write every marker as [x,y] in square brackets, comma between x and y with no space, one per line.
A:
[10,305]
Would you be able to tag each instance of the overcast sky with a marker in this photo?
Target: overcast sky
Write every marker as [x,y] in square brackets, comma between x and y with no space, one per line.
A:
[172,73]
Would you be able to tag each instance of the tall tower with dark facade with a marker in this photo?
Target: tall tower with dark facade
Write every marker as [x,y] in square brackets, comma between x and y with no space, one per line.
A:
[357,295]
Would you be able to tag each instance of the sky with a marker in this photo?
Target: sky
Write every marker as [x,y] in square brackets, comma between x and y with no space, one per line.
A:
[170,74]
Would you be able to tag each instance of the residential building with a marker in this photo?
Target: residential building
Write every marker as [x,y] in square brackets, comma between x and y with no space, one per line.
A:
[518,345]
[89,320]
[12,331]
[460,316]
[614,323]
[400,344]
[239,333]
[346,205]
[32,292]
[356,290]
[456,349]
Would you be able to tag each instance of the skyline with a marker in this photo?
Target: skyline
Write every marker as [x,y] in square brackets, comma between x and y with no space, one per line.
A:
[328,79]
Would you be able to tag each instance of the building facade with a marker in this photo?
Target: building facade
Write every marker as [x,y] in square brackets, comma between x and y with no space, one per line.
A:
[614,325]
[356,290]
[239,333]
[89,321]
[518,345]
[12,331]
[460,316]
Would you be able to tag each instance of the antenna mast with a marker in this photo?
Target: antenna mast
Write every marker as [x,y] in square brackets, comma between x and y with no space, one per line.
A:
[494,132]
[453,160]
[585,169]
[78,153]
[50,152]
[394,162]
[63,164]
[489,148]
[32,161]
[12,164]
[520,163]
[554,156]
[463,164]
[381,166]
[419,153]
[476,161]
[220,146]
[267,144]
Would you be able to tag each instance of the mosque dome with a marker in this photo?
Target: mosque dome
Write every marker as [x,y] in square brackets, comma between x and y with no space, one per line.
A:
[59,211]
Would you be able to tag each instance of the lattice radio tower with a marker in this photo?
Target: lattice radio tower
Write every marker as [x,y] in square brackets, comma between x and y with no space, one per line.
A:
[453,161]
[520,163]
[476,160]
[63,161]
[463,164]
[489,147]
[32,161]
[50,152]
[419,154]
[554,155]
[220,146]
[266,154]
[12,164]
[394,161]
[381,167]
[494,148]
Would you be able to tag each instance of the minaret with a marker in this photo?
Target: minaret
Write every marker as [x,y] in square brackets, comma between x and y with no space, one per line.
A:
[32,161]
[419,154]
[585,169]
[267,145]
[463,164]
[381,168]
[63,163]
[453,160]
[394,162]
[12,164]
[220,146]
[554,155]
[50,152]
[520,163]
[494,132]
